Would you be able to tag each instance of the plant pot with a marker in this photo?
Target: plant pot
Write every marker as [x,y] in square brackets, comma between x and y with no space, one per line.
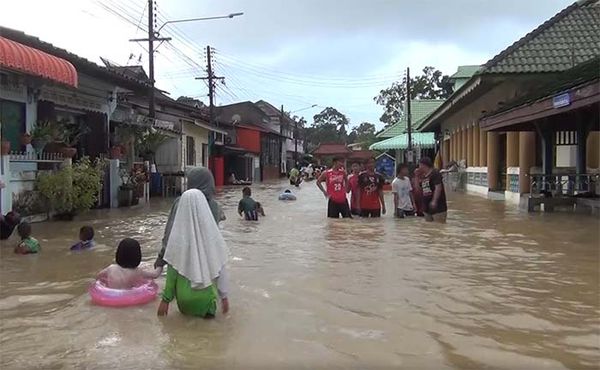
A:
[115,152]
[125,197]
[38,144]
[5,147]
[26,139]
[69,152]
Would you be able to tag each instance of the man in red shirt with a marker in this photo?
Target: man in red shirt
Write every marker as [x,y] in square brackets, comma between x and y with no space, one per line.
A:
[370,196]
[353,189]
[336,181]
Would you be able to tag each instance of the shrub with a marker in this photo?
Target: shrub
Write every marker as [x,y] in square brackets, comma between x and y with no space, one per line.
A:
[72,189]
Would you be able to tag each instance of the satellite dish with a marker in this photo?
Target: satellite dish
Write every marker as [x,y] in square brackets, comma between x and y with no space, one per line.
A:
[236,118]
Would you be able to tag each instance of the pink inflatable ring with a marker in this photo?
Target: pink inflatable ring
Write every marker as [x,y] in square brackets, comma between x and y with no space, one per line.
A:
[105,296]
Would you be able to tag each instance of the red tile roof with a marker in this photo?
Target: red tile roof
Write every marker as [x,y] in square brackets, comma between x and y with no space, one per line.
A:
[331,149]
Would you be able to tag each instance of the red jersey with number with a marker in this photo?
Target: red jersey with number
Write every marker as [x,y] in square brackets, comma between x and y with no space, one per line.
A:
[354,188]
[335,180]
[370,185]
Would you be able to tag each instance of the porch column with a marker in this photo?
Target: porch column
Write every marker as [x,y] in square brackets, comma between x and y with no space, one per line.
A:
[593,150]
[483,146]
[476,152]
[470,146]
[547,152]
[582,135]
[493,163]
[526,159]
[458,144]
[454,143]
[445,152]
[463,144]
[512,153]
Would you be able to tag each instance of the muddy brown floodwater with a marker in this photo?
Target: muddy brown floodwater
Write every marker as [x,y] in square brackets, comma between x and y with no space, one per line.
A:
[494,288]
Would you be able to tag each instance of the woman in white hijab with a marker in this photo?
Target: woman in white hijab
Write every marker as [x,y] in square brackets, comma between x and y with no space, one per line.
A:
[196,255]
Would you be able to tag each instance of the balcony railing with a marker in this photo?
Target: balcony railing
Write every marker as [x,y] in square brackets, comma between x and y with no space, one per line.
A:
[563,184]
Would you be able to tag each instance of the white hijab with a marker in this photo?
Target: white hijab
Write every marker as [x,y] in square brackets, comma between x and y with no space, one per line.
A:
[196,248]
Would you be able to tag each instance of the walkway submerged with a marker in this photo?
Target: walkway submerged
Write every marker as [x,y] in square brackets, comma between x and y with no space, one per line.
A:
[494,287]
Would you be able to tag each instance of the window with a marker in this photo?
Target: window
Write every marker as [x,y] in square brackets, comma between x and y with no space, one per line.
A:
[190,149]
[205,155]
[218,138]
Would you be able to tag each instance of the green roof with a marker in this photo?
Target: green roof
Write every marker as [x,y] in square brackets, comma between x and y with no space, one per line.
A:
[570,37]
[419,109]
[465,71]
[419,139]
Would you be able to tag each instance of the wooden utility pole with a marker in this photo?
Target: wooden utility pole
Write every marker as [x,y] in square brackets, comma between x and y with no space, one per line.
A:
[152,36]
[408,116]
[211,78]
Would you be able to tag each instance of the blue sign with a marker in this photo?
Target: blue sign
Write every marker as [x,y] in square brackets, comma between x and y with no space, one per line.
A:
[386,165]
[561,100]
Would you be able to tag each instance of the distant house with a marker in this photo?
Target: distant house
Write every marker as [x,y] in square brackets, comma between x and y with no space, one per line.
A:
[325,152]
[253,150]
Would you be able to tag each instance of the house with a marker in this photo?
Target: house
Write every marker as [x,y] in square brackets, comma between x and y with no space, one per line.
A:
[325,152]
[502,160]
[41,82]
[253,148]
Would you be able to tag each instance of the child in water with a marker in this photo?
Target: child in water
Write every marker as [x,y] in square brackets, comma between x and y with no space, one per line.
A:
[248,207]
[126,273]
[28,244]
[86,239]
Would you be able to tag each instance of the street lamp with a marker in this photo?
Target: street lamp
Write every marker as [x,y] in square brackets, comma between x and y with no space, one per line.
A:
[299,110]
[199,19]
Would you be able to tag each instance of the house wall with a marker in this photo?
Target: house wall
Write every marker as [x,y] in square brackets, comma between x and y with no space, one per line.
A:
[248,139]
[200,136]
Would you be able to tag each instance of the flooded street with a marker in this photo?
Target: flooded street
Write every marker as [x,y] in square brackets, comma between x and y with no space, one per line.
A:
[494,288]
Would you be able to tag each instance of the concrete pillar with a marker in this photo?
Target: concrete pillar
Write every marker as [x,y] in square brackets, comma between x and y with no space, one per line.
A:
[483,148]
[459,142]
[526,159]
[470,146]
[476,158]
[582,135]
[493,162]
[593,150]
[512,153]
[454,145]
[463,144]
[512,149]
[445,152]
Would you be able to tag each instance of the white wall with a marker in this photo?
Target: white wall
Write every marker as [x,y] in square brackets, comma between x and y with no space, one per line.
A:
[200,136]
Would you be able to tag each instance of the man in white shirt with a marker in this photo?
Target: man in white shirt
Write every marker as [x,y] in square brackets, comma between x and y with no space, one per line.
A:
[404,202]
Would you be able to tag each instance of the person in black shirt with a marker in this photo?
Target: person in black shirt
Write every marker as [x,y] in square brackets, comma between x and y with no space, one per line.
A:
[434,196]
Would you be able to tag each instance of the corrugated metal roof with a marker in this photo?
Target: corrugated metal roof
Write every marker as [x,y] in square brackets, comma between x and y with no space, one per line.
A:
[465,71]
[419,139]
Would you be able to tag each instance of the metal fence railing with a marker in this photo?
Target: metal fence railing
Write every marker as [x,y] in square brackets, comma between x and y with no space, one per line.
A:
[563,184]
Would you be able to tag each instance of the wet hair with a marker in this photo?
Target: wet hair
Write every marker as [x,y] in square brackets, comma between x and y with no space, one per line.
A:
[24,230]
[287,191]
[86,233]
[356,163]
[129,253]
[338,159]
[247,191]
[401,166]
[426,161]
[13,218]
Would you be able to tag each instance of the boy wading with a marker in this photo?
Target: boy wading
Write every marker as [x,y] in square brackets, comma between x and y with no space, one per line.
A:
[371,191]
[336,182]
[404,202]
[434,196]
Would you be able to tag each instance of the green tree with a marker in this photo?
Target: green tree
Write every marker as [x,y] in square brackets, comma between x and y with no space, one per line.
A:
[431,84]
[329,126]
[363,133]
[331,116]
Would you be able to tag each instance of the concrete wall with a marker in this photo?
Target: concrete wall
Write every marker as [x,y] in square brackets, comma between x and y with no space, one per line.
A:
[200,136]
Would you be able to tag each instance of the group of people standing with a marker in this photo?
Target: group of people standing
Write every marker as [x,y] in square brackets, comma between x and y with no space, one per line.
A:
[421,194]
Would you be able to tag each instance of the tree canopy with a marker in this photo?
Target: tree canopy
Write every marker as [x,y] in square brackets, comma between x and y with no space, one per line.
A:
[431,84]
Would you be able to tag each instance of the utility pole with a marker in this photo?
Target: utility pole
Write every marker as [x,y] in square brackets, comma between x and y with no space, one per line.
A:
[408,117]
[211,78]
[152,36]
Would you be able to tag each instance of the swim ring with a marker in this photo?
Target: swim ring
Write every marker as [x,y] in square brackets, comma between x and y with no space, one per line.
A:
[105,296]
[287,196]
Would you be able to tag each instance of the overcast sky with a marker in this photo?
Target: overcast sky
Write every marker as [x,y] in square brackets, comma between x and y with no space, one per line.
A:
[291,52]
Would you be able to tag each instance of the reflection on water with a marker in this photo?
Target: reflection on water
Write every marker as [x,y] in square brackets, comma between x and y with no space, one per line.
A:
[492,288]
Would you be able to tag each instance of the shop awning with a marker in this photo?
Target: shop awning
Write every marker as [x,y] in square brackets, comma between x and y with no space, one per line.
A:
[423,140]
[25,59]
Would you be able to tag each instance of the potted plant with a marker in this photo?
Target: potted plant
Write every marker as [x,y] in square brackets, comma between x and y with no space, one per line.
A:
[65,136]
[72,189]
[40,135]
[149,142]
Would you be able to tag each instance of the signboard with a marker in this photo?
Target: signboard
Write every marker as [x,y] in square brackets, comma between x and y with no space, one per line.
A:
[386,165]
[561,100]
